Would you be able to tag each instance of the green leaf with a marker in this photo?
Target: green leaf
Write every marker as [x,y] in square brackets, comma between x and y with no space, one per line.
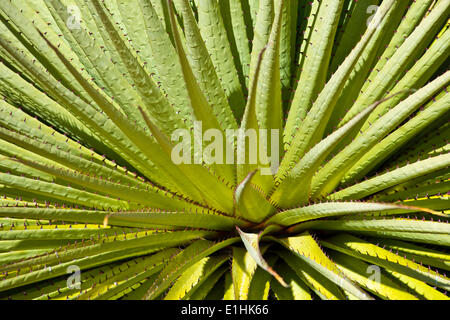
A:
[390,261]
[314,124]
[111,283]
[205,220]
[268,100]
[63,193]
[297,289]
[96,121]
[261,282]
[394,225]
[83,263]
[288,47]
[398,138]
[234,16]
[361,272]
[153,100]
[242,270]
[181,262]
[16,88]
[207,96]
[400,61]
[393,178]
[318,283]
[426,238]
[417,253]
[294,187]
[307,249]
[250,122]
[22,16]
[332,209]
[202,291]
[353,24]
[263,11]
[251,243]
[194,277]
[213,32]
[330,175]
[419,74]
[251,202]
[131,240]
[165,59]
[208,186]
[363,67]
[58,232]
[314,68]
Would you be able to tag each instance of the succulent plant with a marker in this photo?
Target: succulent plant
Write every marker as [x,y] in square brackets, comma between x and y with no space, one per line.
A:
[351,97]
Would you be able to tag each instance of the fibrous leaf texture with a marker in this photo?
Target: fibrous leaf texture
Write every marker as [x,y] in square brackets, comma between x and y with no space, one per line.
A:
[224,149]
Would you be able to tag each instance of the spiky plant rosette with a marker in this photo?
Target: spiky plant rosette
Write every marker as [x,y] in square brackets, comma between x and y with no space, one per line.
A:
[349,98]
